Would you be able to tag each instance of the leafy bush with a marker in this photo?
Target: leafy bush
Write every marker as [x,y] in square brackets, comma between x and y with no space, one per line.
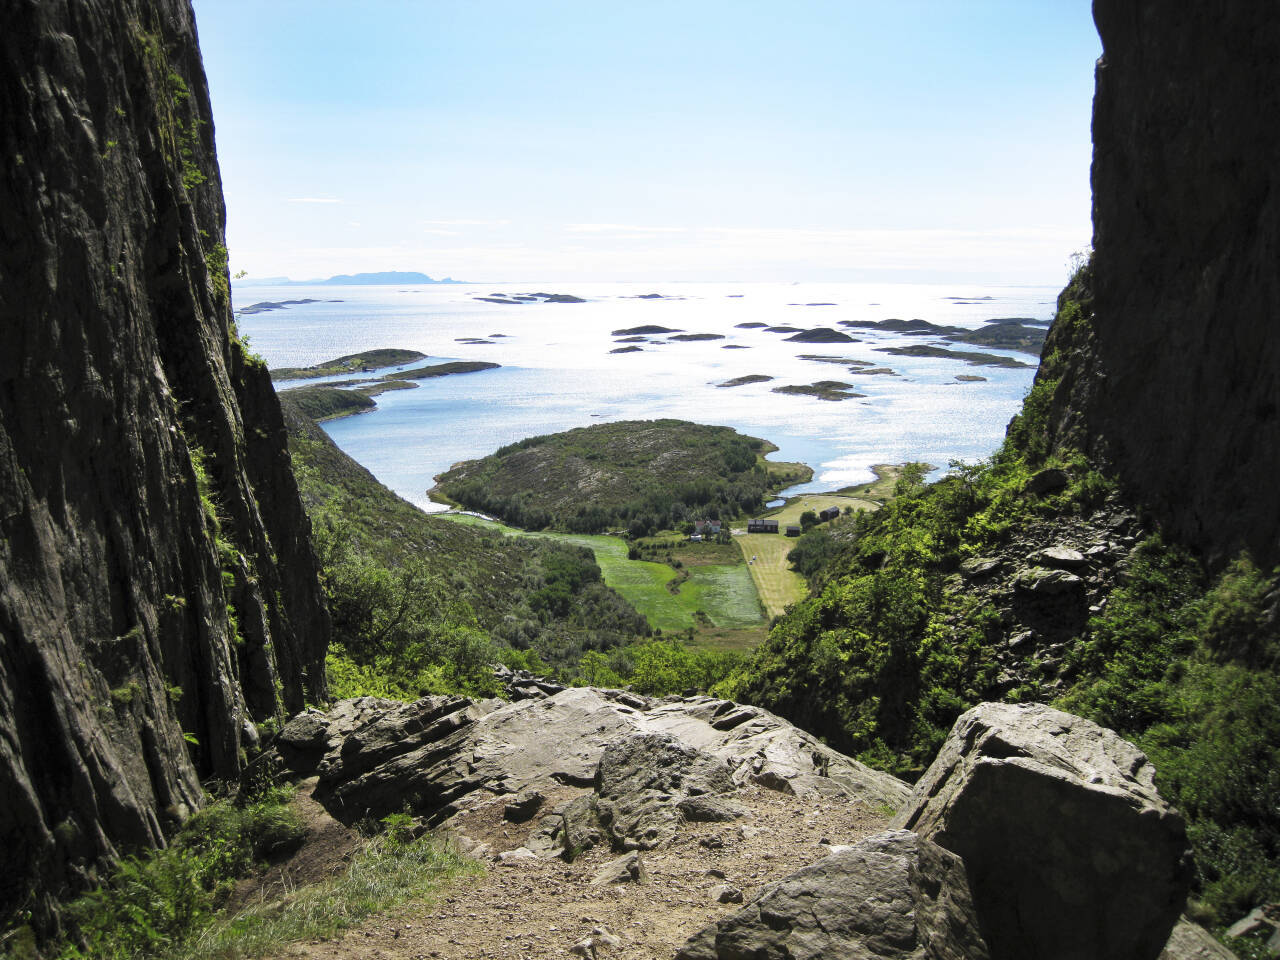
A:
[158,901]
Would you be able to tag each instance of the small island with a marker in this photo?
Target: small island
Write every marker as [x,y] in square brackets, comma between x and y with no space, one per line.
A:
[1022,334]
[821,335]
[517,299]
[832,390]
[648,329]
[343,398]
[443,370]
[366,362]
[971,357]
[638,475]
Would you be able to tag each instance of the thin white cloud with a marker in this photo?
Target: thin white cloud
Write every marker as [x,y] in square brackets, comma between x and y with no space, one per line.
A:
[312,200]
[467,223]
[623,228]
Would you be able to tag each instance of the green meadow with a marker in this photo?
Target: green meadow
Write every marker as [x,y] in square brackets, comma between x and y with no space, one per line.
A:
[723,593]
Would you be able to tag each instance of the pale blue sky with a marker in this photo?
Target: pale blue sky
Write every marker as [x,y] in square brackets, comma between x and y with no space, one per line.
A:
[906,141]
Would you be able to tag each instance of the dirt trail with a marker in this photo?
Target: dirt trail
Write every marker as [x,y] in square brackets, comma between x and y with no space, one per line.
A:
[542,908]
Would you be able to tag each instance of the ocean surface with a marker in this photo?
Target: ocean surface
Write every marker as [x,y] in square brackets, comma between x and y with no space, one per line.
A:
[558,372]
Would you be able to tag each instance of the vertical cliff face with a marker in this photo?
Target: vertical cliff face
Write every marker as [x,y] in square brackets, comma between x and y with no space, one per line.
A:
[1175,379]
[158,594]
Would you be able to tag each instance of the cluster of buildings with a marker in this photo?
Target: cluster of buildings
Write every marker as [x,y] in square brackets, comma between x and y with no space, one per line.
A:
[705,529]
[766,525]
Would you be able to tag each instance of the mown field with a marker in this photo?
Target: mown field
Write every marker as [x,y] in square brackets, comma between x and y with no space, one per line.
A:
[777,584]
[724,594]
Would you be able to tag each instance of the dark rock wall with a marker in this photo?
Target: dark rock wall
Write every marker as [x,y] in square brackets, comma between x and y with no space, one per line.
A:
[1183,395]
[157,587]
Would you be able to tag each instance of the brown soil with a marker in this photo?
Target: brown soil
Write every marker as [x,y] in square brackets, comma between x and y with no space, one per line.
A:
[543,908]
[324,853]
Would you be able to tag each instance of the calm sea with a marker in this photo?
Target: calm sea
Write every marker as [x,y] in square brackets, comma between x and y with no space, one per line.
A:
[558,372]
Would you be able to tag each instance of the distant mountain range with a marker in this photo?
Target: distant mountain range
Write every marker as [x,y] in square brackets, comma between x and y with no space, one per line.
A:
[348,279]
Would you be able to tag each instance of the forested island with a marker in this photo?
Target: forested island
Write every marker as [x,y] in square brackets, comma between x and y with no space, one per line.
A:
[638,476]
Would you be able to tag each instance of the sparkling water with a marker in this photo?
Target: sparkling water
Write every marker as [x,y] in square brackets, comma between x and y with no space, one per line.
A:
[558,370]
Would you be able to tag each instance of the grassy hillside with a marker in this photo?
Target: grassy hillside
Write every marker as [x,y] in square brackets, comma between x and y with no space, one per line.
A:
[640,476]
[407,588]
[945,598]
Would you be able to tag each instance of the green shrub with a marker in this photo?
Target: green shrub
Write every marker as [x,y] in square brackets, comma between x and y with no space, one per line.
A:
[158,901]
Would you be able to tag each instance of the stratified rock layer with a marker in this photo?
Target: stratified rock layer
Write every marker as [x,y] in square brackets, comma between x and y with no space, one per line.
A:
[157,588]
[648,760]
[1176,380]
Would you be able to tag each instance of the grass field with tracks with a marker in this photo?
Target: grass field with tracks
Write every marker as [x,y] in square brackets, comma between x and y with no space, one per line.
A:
[777,584]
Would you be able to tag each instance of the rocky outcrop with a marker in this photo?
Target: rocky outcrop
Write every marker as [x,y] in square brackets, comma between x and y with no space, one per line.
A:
[648,762]
[158,594]
[1069,849]
[1172,374]
[1191,942]
[1034,834]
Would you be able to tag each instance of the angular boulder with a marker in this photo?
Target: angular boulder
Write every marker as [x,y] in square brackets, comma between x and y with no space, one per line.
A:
[894,895]
[1190,941]
[1069,850]
[1042,582]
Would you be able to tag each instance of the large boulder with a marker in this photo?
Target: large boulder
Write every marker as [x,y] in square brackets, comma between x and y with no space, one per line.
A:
[894,895]
[1069,850]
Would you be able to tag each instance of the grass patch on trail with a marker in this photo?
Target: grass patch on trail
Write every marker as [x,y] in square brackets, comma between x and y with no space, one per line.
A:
[724,593]
[170,903]
[387,872]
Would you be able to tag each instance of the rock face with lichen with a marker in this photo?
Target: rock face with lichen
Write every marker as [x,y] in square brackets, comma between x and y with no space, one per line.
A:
[158,593]
[1172,377]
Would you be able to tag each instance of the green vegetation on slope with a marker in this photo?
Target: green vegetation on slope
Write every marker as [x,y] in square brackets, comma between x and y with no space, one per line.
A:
[892,645]
[172,903]
[329,403]
[160,900]
[720,594]
[421,604]
[638,476]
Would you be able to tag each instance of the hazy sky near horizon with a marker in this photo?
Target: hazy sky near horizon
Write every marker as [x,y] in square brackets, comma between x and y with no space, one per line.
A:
[915,141]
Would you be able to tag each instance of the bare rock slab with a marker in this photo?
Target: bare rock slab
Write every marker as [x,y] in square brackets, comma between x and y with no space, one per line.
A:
[1069,850]
[439,754]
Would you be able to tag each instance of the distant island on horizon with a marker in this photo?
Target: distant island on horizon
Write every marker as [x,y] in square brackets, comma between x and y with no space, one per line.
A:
[348,279]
